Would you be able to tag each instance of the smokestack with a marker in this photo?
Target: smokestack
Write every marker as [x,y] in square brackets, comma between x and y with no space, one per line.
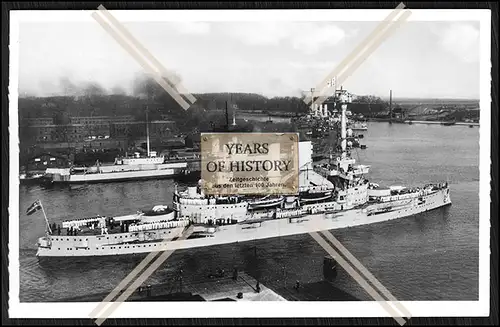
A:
[390,106]
[147,130]
[234,115]
[312,100]
[227,118]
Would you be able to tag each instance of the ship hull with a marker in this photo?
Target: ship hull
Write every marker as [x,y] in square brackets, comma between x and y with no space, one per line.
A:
[242,233]
[118,177]
[31,181]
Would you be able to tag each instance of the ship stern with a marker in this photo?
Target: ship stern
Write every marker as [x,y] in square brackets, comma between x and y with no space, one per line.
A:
[44,245]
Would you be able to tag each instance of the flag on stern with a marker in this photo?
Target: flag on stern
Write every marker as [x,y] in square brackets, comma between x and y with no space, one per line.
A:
[34,207]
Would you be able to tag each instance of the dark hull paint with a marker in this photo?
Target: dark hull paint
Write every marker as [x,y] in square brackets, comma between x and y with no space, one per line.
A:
[161,177]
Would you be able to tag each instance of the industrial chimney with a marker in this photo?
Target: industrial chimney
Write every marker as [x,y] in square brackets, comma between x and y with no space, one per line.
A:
[390,107]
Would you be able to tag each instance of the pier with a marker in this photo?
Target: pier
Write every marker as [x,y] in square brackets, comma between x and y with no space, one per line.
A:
[241,287]
[316,291]
[228,288]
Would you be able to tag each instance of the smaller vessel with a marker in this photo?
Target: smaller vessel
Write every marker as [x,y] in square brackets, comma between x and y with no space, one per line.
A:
[448,123]
[358,126]
[136,167]
[30,178]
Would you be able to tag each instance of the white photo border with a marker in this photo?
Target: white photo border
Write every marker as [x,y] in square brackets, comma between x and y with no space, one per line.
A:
[480,308]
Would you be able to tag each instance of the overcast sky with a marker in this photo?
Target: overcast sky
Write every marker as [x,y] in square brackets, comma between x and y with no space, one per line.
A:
[421,59]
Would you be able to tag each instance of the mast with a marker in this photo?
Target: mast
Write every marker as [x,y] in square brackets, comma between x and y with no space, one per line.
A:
[344,98]
[312,101]
[147,130]
[343,127]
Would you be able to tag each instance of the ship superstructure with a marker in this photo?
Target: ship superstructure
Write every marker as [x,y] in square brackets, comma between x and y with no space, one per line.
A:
[322,126]
[332,196]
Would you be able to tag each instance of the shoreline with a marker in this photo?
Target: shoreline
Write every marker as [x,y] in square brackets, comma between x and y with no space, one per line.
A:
[429,122]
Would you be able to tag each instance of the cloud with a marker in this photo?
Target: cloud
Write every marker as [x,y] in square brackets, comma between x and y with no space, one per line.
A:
[306,37]
[461,40]
[310,38]
[196,28]
[325,66]
[259,33]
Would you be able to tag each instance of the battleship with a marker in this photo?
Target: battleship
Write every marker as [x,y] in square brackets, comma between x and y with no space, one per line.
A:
[332,195]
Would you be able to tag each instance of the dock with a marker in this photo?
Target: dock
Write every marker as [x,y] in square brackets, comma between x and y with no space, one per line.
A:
[229,288]
[316,291]
[225,288]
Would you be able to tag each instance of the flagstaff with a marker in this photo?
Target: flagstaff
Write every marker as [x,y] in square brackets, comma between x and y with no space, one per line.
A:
[37,205]
[45,216]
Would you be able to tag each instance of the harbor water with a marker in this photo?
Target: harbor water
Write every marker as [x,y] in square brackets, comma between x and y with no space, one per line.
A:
[431,256]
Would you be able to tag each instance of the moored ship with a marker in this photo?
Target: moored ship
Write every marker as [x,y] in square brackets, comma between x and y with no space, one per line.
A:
[135,167]
[30,177]
[359,126]
[127,168]
[332,196]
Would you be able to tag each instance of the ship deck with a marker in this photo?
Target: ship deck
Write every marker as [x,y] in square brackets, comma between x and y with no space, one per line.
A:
[85,231]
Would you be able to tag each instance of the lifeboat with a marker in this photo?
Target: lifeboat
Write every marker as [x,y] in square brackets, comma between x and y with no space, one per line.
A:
[265,202]
[309,196]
